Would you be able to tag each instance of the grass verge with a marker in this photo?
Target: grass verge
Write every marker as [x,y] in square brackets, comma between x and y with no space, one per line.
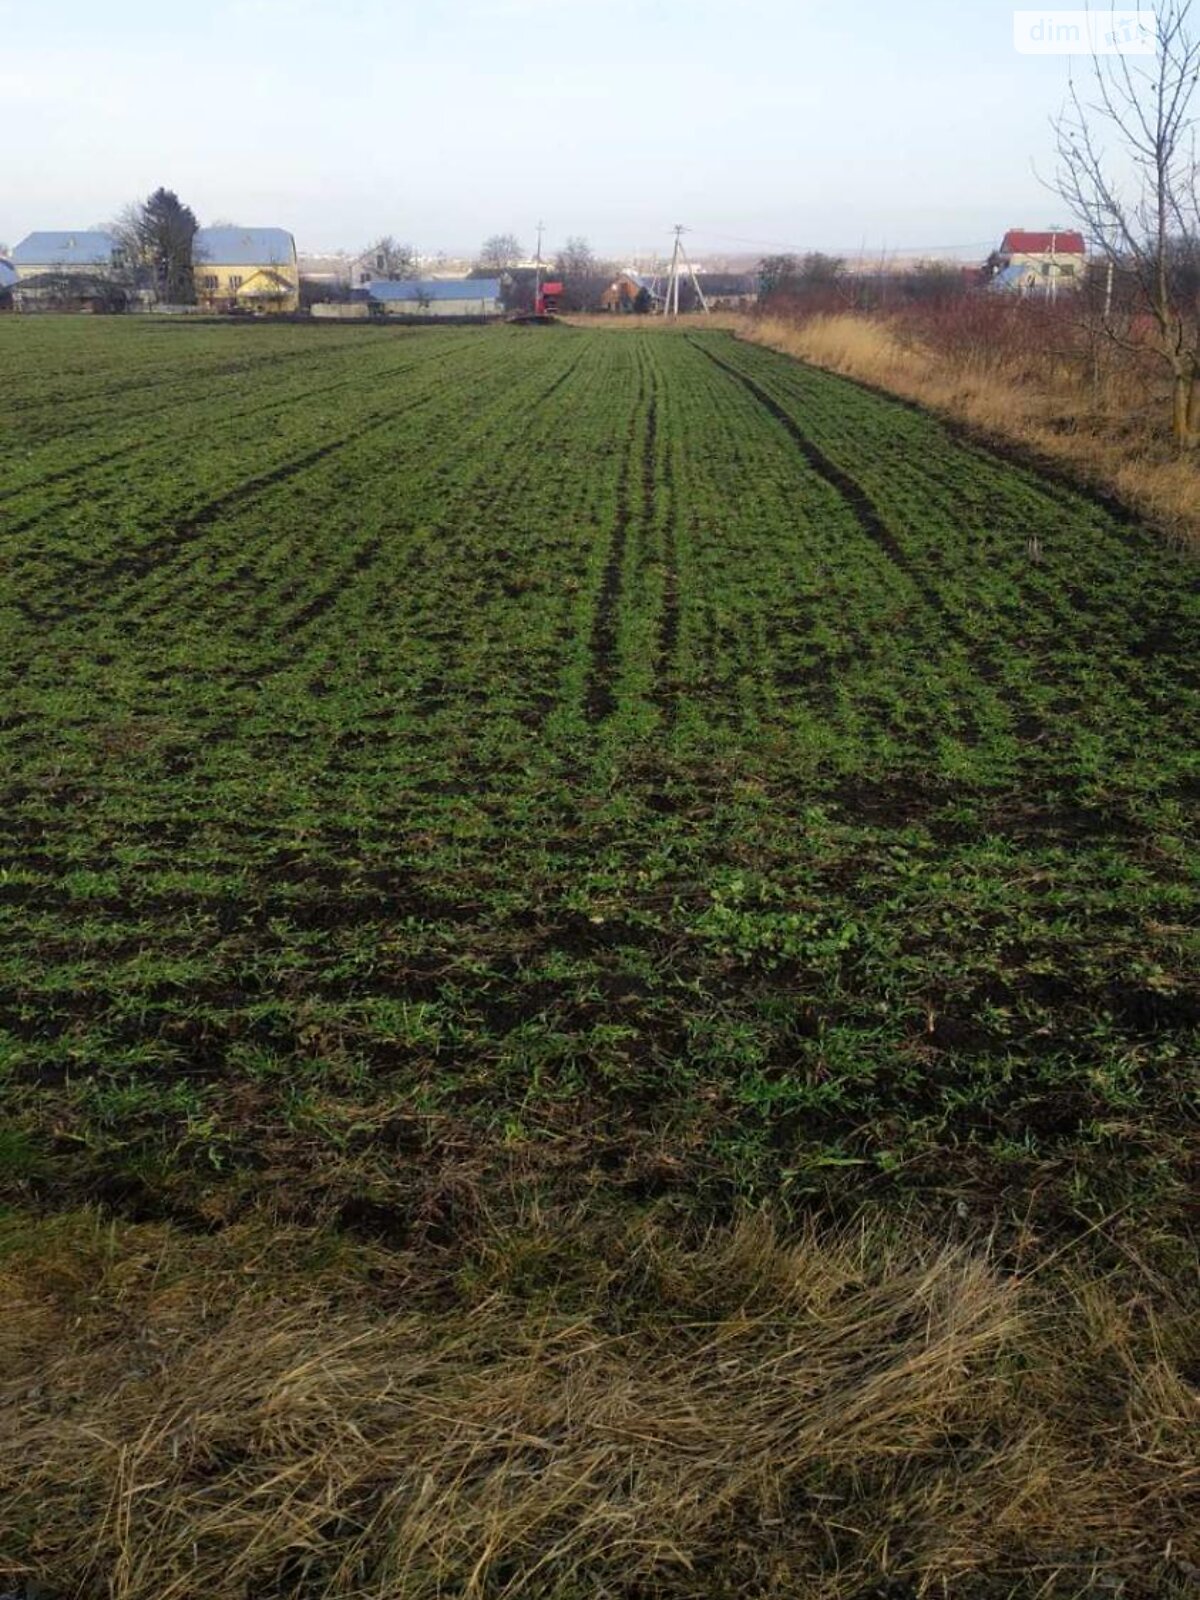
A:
[560,1407]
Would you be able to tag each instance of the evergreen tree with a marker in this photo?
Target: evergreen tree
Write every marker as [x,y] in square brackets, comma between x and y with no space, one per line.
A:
[166,229]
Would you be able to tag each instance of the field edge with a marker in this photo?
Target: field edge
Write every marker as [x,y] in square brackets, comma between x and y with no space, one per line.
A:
[561,1408]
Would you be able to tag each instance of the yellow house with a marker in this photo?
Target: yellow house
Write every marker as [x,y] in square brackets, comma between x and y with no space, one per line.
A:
[248,269]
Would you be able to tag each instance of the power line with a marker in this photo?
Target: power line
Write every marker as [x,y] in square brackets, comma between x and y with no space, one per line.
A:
[904,249]
[783,244]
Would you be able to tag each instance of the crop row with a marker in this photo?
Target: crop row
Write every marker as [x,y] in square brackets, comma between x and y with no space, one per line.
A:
[587,746]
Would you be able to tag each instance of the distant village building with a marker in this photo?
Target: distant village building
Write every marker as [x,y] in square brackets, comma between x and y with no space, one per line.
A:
[1038,263]
[246,269]
[370,267]
[632,291]
[235,269]
[70,271]
[340,310]
[434,297]
[729,291]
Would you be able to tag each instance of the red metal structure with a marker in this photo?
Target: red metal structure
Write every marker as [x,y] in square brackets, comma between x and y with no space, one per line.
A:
[548,298]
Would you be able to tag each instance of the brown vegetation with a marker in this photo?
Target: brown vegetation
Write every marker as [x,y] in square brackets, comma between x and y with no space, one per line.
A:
[555,1411]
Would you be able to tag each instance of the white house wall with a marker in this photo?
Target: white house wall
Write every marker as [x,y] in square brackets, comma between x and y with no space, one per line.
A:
[442,308]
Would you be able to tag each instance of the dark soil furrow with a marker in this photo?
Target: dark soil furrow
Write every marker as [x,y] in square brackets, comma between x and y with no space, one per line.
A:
[599,695]
[869,519]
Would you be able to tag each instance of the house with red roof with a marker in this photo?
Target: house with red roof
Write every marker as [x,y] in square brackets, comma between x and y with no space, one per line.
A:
[1039,262]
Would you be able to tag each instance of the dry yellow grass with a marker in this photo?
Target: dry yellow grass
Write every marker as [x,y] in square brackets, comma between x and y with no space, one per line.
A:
[1102,435]
[268,1412]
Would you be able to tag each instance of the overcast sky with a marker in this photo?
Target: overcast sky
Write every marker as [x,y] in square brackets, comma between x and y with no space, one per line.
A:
[756,122]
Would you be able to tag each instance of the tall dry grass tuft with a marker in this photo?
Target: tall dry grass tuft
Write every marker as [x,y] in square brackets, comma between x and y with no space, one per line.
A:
[275,1414]
[1014,374]
[849,344]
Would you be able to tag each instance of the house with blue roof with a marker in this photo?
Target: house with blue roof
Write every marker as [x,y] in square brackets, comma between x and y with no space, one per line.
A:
[246,269]
[434,297]
[67,252]
[77,270]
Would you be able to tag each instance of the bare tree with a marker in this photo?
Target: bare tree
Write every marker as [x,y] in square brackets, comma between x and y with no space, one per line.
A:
[575,258]
[126,229]
[820,271]
[584,276]
[500,253]
[1147,223]
[931,282]
[388,259]
[814,281]
[130,266]
[776,275]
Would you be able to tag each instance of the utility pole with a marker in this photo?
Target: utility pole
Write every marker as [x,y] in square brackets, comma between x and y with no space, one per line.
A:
[681,254]
[672,306]
[671,309]
[537,281]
